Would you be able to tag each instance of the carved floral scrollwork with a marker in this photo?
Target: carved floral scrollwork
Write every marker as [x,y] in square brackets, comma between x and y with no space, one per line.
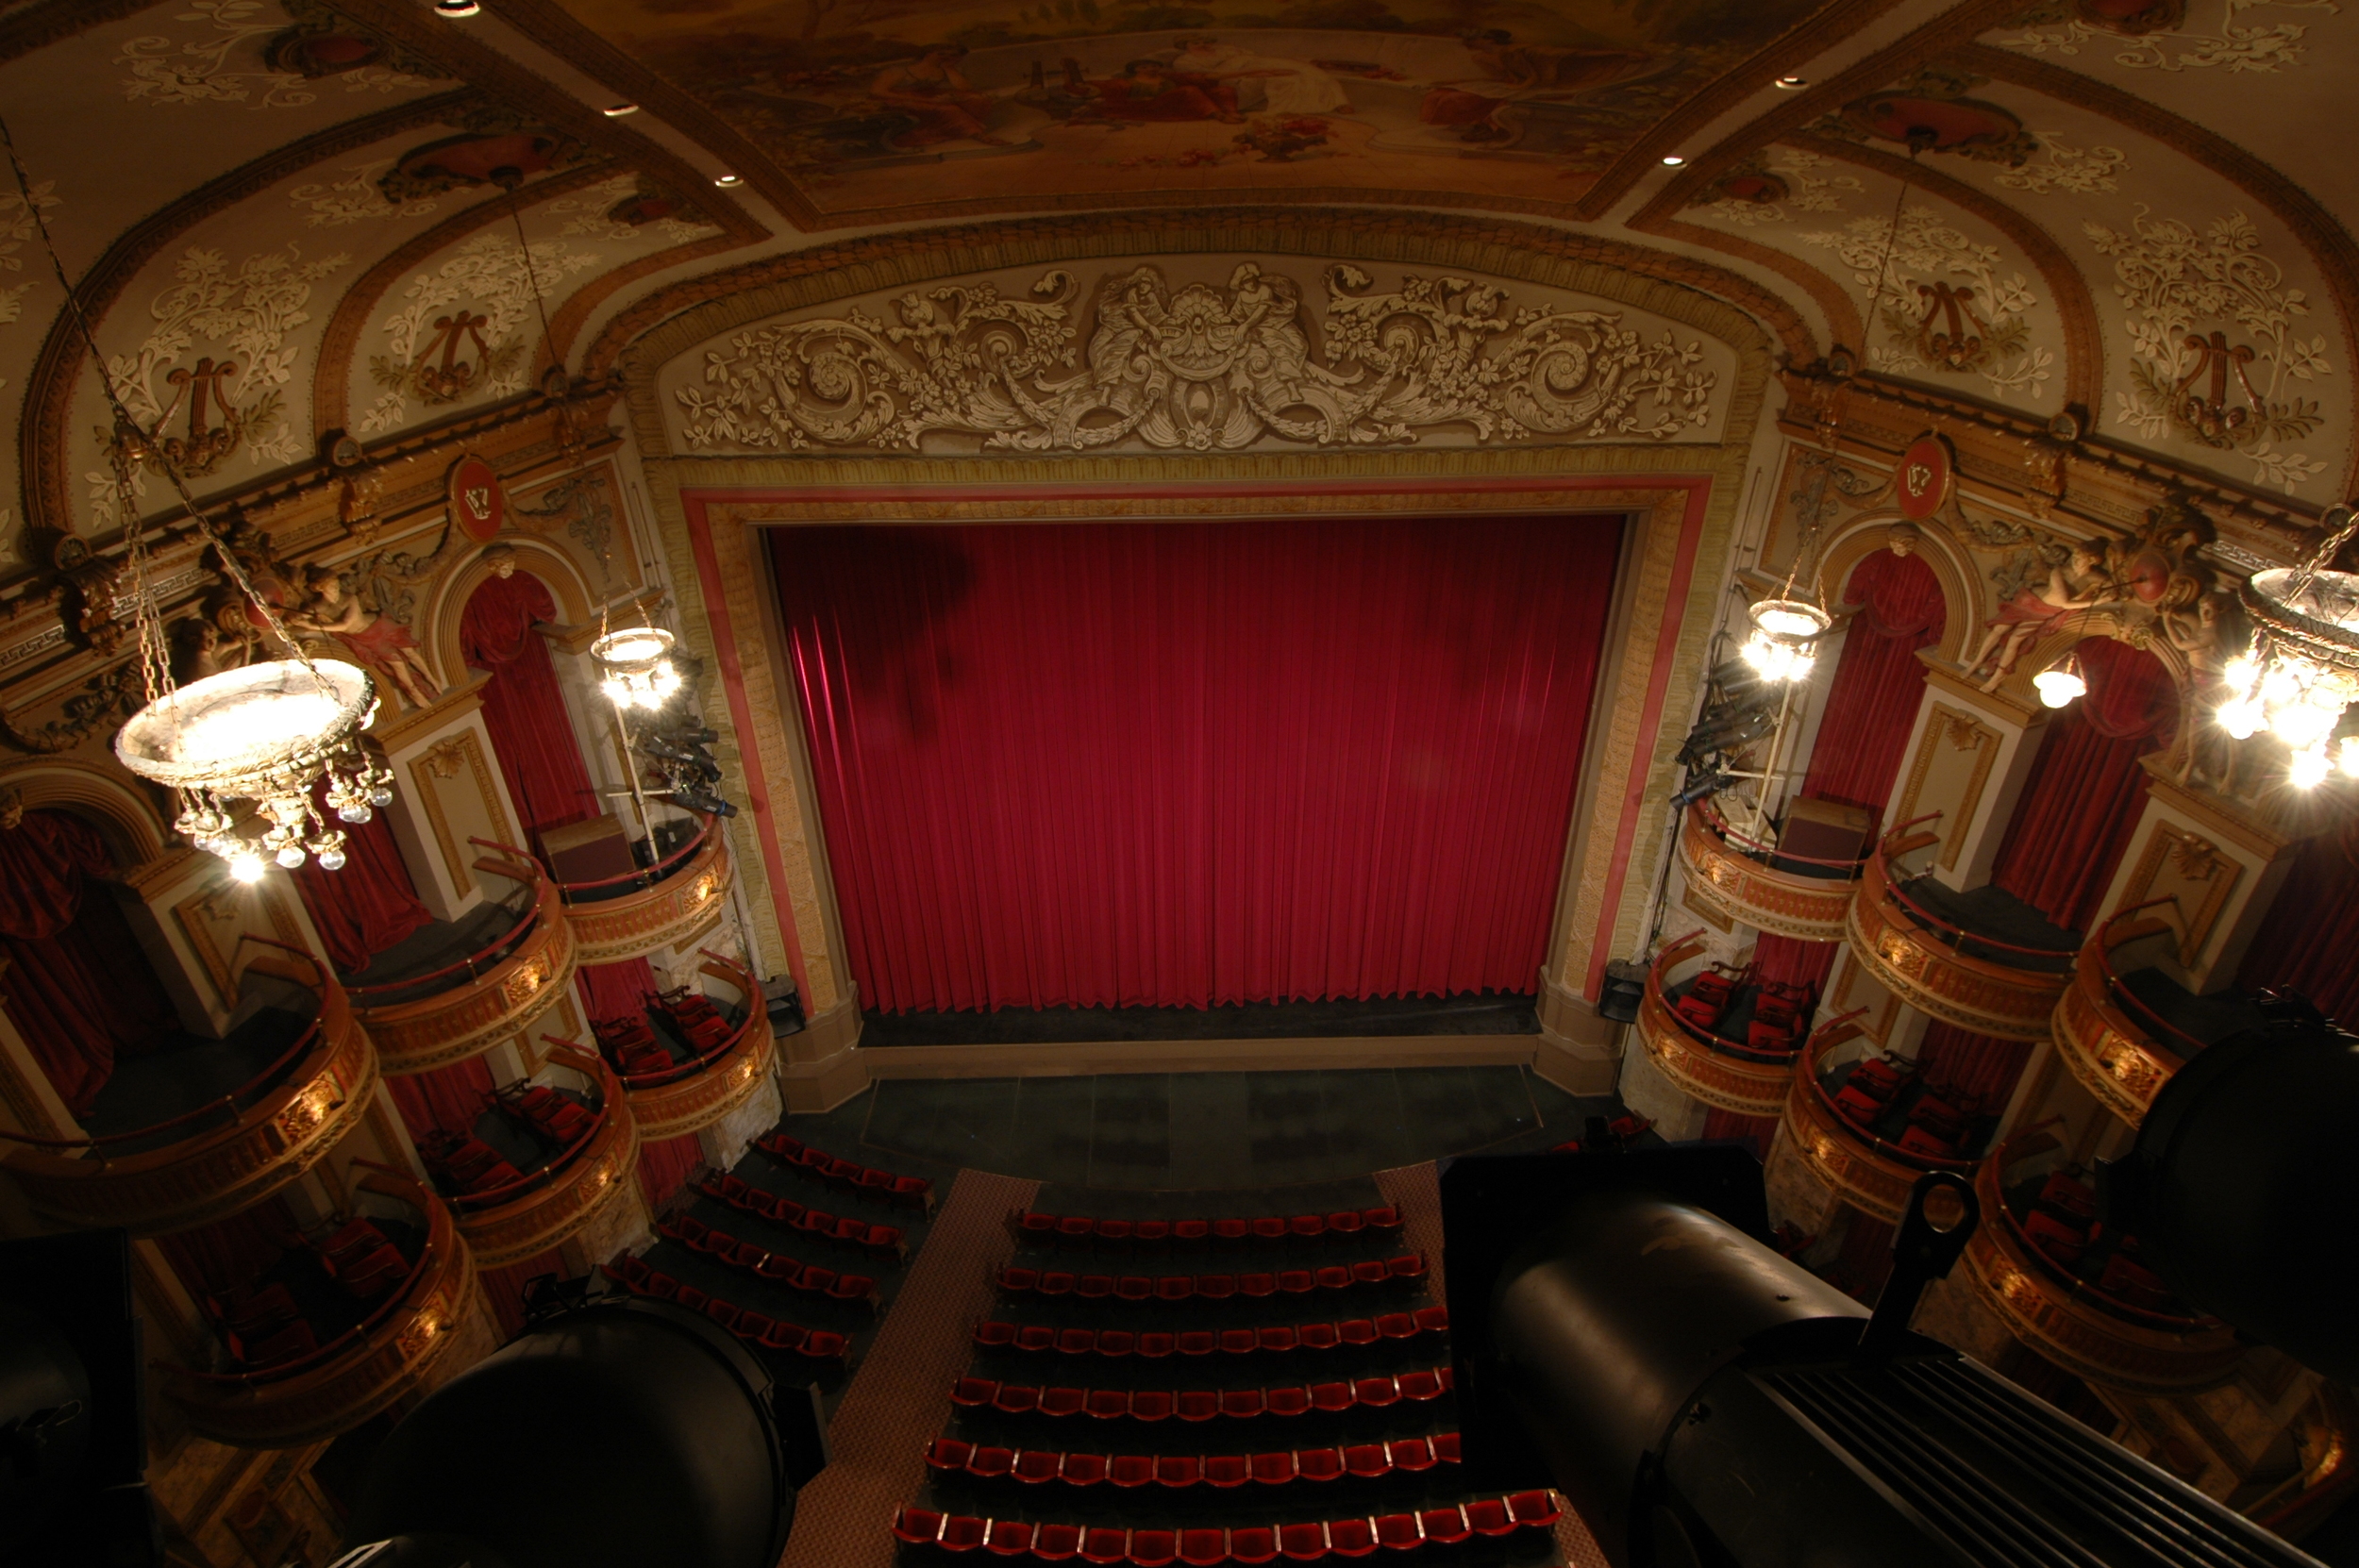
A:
[1199,367]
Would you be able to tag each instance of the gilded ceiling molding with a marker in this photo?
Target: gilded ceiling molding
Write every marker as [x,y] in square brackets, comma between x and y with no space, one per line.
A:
[1801,43]
[1841,310]
[1682,288]
[38,26]
[332,379]
[2328,242]
[579,305]
[1960,26]
[501,79]
[43,445]
[556,29]
[2067,290]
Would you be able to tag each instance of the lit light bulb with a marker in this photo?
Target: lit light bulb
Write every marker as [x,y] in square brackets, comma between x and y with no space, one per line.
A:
[356,813]
[2242,672]
[2348,756]
[2058,688]
[247,866]
[2309,768]
[2241,717]
[332,860]
[381,797]
[290,855]
[2303,723]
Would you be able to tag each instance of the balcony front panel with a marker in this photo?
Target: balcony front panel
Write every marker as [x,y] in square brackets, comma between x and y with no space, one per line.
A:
[697,1098]
[1718,1077]
[218,1169]
[388,1358]
[1736,884]
[2115,1059]
[530,1224]
[680,907]
[420,1033]
[1917,965]
[2078,1331]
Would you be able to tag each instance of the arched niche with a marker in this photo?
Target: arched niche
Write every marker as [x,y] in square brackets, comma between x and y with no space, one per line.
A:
[1951,567]
[2051,648]
[446,606]
[105,797]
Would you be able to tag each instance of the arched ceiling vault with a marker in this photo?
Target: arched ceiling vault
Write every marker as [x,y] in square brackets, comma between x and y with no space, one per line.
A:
[297,218]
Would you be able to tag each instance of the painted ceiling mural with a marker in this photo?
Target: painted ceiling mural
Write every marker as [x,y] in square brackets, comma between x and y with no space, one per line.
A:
[296,220]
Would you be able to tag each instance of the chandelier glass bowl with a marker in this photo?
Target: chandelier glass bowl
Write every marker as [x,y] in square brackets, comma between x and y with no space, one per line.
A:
[635,667]
[1785,643]
[268,733]
[2303,669]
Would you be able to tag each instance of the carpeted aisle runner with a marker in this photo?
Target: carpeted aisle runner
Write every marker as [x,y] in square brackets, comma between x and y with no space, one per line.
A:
[900,1395]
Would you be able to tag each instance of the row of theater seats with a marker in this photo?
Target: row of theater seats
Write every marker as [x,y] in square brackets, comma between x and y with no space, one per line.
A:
[463,1165]
[1201,1404]
[262,1326]
[991,1335]
[1036,1467]
[2063,1225]
[885,1240]
[1937,1121]
[1211,1287]
[759,1328]
[1030,1225]
[1209,1547]
[776,1267]
[630,1042]
[1780,1009]
[916,1191]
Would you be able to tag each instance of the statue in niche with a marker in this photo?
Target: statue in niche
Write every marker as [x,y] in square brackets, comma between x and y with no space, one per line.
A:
[377,642]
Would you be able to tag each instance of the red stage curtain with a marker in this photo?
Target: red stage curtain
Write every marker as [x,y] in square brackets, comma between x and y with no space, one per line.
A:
[449,1099]
[368,905]
[1789,961]
[1978,1067]
[79,988]
[2085,790]
[1187,765]
[505,1287]
[615,990]
[1753,1131]
[664,1167]
[2307,939]
[233,1251]
[1879,680]
[524,707]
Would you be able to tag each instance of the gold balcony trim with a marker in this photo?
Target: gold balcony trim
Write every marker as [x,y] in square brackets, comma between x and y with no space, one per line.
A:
[382,1361]
[2111,1042]
[583,1181]
[216,1171]
[494,995]
[1719,1072]
[1871,1175]
[1744,889]
[1909,958]
[2074,1324]
[667,913]
[693,1096]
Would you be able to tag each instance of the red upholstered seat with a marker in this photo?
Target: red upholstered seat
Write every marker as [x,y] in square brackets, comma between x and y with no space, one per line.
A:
[1135,1287]
[1302,1543]
[1154,1548]
[1446,1448]
[1297,1281]
[1198,1342]
[691,1299]
[779,1267]
[1255,1543]
[962,1533]
[825,1346]
[1875,1076]
[1009,1538]
[1371,1270]
[785,1336]
[1396,1325]
[1062,1402]
[1318,1336]
[1114,1231]
[1019,1279]
[779,1145]
[1227,1470]
[1190,1230]
[1489,1516]
[1101,1544]
[1239,1342]
[1366,1459]
[1351,1537]
[1156,1343]
[753,1326]
[1431,1319]
[1307,1227]
[1319,1464]
[1109,1404]
[1401,1531]
[660,1286]
[1856,1107]
[1173,1287]
[1231,1230]
[1376,1391]
[1257,1285]
[1150,1405]
[1055,1282]
[1094,1287]
[1410,1454]
[1216,1286]
[1115,1341]
[1132,1469]
[1017,1398]
[990,1462]
[1357,1331]
[2135,1283]
[917,1526]
[1419,1385]
[1056,1543]
[1331,1396]
[973,1391]
[1444,1527]
[1333,1277]
[1278,1338]
[2068,1193]
[851,1287]
[1286,1399]
[1274,1469]
[1033,1225]
[2053,1237]
[1036,1465]
[1534,1510]
[1270,1228]
[1150,1232]
[1077,1342]
[1243,1404]
[990,1333]
[1767,1034]
[747,1255]
[1203,1548]
[1198,1404]
[1926,1142]
[1345,1222]
[947,1454]
[1178,1470]
[1082,1469]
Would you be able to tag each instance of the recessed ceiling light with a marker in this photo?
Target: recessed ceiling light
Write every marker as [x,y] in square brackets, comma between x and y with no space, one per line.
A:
[727,182]
[1793,83]
[456,9]
[1673,161]
[615,112]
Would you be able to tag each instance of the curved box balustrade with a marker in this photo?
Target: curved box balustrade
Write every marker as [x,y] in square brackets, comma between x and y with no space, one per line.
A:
[546,1204]
[1743,879]
[2121,1048]
[1706,1065]
[666,905]
[360,1372]
[497,993]
[2091,1334]
[1977,983]
[692,1095]
[1872,1174]
[227,1154]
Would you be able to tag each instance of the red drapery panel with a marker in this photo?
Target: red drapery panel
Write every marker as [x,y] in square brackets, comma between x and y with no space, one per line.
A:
[1790,961]
[1879,681]
[615,990]
[1753,1131]
[2309,937]
[505,1287]
[231,1252]
[449,1099]
[79,985]
[367,904]
[2085,789]
[1187,765]
[664,1167]
[1978,1067]
[524,707]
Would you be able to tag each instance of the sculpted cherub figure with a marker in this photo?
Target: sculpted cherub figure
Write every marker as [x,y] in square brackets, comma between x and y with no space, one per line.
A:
[2079,582]
[377,641]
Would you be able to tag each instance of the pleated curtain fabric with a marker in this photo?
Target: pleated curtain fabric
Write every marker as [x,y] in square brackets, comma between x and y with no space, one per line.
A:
[2310,935]
[1188,764]
[366,905]
[524,707]
[447,1099]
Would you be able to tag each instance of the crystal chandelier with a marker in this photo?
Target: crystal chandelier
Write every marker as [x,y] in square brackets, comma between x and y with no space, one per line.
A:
[2303,668]
[635,667]
[1784,643]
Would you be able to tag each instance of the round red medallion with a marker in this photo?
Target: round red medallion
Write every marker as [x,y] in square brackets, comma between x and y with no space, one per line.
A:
[477,502]
[1921,483]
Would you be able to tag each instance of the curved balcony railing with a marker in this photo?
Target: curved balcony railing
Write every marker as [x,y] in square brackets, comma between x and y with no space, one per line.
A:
[1870,1173]
[2120,1049]
[227,1154]
[544,1204]
[663,904]
[1739,876]
[362,1371]
[495,993]
[1975,981]
[2091,1334]
[692,1095]
[1707,1065]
